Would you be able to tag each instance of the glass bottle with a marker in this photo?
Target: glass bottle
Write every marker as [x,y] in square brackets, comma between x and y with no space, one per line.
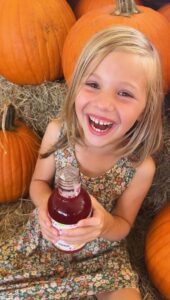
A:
[68,204]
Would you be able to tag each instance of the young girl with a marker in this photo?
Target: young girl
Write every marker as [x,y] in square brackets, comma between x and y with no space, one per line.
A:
[109,128]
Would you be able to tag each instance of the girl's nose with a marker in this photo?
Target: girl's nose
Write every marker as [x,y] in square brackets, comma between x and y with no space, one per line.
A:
[106,102]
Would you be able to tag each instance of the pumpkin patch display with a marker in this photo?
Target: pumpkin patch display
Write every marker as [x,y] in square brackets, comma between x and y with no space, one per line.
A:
[150,22]
[157,251]
[18,153]
[32,34]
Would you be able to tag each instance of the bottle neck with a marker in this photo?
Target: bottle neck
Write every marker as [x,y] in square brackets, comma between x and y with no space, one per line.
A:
[69,182]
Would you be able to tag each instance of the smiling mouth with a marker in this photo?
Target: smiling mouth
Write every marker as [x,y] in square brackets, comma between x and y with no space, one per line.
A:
[100,125]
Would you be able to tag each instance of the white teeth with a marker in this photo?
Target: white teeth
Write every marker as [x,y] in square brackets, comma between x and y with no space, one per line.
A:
[97,129]
[97,121]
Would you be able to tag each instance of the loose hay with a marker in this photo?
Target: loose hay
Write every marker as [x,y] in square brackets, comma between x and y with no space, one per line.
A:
[13,216]
[36,105]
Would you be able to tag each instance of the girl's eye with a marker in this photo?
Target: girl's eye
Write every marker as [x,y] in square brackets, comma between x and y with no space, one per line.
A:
[125,94]
[93,84]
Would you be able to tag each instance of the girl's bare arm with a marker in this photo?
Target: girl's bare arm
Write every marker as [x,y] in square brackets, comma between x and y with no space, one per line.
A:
[43,176]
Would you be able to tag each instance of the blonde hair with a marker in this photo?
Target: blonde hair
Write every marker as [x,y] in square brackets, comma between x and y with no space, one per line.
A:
[146,135]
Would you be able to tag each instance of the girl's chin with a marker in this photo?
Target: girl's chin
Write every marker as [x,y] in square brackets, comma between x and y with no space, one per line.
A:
[99,141]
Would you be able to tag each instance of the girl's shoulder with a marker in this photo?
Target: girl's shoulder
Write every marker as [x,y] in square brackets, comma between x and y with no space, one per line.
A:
[146,170]
[51,135]
[53,131]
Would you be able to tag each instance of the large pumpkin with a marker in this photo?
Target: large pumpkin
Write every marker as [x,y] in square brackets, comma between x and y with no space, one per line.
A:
[84,6]
[18,153]
[157,251]
[150,22]
[32,34]
[165,10]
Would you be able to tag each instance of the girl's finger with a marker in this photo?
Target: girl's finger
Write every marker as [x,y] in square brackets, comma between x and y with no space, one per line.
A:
[50,229]
[92,221]
[44,218]
[76,240]
[50,235]
[49,238]
[79,234]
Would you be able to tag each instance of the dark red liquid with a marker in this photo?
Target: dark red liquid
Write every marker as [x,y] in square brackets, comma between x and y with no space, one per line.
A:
[69,210]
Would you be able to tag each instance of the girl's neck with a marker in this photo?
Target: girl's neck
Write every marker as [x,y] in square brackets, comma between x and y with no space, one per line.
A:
[94,161]
[100,151]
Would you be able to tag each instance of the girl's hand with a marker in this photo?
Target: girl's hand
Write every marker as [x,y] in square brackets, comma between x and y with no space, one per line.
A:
[87,229]
[48,231]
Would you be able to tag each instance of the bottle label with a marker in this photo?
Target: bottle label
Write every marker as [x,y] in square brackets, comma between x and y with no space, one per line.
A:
[61,244]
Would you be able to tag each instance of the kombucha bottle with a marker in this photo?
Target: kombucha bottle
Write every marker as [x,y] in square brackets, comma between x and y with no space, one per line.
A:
[68,204]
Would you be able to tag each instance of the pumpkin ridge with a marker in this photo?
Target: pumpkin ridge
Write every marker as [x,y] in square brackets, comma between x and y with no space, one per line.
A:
[51,63]
[43,50]
[157,254]
[26,137]
[11,63]
[67,29]
[159,223]
[27,140]
[159,239]
[11,172]
[14,172]
[52,59]
[157,249]
[30,59]
[30,148]
[2,175]
[44,59]
[71,14]
[24,160]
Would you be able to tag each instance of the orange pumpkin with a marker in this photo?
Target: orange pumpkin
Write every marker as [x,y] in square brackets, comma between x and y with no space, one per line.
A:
[150,22]
[32,34]
[18,153]
[165,10]
[157,251]
[84,6]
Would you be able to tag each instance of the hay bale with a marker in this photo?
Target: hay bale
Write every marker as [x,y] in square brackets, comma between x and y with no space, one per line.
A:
[36,105]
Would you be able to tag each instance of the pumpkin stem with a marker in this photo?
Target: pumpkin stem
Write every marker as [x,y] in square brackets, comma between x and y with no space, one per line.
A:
[8,118]
[126,8]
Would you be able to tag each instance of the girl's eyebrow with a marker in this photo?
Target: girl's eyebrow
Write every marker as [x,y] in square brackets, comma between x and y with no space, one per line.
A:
[126,83]
[93,75]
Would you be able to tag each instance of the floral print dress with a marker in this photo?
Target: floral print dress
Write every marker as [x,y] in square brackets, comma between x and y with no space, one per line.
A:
[32,268]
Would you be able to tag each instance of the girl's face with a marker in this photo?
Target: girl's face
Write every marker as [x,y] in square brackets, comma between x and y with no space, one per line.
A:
[111,99]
